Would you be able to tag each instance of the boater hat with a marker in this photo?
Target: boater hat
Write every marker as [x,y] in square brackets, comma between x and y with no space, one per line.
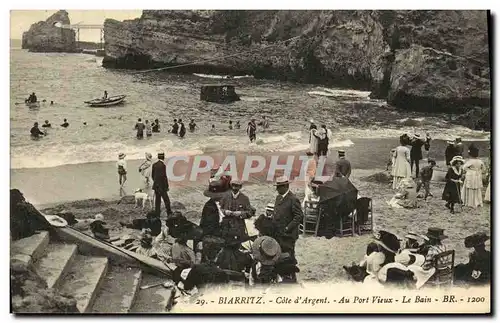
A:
[341,152]
[214,195]
[121,156]
[282,180]
[266,250]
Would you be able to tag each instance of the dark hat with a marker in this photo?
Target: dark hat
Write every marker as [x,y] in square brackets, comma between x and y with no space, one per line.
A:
[436,233]
[388,241]
[476,240]
[266,250]
[308,153]
[211,193]
[341,152]
[473,150]
[431,161]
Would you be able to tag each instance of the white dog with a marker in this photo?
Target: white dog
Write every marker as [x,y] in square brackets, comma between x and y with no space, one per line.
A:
[139,196]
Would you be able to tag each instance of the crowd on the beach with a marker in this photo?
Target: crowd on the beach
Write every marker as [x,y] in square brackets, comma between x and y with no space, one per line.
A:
[464,178]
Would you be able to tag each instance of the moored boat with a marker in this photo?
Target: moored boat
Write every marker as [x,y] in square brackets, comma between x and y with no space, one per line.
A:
[113,100]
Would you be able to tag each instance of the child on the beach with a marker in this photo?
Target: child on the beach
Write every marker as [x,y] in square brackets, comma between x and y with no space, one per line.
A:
[121,165]
[149,129]
[426,176]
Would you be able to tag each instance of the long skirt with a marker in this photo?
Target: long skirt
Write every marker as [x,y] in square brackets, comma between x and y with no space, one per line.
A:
[472,197]
[487,195]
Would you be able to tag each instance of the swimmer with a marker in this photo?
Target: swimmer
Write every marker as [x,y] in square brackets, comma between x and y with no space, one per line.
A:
[84,123]
[35,131]
[51,102]
[230,125]
[65,124]
[192,125]
[47,124]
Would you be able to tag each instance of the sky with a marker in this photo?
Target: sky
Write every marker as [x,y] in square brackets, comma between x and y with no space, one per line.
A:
[21,20]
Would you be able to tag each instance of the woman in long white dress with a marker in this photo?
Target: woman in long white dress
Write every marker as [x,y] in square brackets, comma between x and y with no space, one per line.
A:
[146,167]
[472,190]
[401,166]
[313,141]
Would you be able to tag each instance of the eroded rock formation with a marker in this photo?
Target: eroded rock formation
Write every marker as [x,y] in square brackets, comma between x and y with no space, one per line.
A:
[424,60]
[46,36]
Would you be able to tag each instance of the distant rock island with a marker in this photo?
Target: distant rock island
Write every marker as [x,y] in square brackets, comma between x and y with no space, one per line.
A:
[46,36]
[427,60]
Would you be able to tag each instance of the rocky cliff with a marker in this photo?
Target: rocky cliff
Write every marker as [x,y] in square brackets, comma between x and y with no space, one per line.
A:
[419,60]
[46,36]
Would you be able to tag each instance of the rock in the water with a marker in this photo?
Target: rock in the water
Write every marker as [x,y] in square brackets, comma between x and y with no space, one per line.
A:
[416,59]
[47,36]
[426,79]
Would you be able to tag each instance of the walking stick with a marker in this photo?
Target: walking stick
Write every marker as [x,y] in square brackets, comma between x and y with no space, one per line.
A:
[459,197]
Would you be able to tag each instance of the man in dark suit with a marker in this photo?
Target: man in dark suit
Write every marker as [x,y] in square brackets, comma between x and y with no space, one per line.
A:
[342,166]
[287,216]
[160,184]
[416,153]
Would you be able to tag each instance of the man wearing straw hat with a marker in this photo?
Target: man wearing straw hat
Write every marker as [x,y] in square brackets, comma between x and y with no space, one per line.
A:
[160,184]
[287,216]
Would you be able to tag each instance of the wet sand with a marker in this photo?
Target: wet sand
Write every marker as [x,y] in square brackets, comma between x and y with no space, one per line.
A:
[100,180]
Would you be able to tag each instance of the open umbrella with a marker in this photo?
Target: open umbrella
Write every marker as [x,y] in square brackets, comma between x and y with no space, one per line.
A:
[337,198]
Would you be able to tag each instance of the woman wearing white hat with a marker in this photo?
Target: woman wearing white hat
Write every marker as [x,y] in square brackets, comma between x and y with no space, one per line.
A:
[401,167]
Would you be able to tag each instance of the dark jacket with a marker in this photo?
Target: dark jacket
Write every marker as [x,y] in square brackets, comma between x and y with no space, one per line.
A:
[232,226]
[159,175]
[288,214]
[416,149]
[343,166]
[210,219]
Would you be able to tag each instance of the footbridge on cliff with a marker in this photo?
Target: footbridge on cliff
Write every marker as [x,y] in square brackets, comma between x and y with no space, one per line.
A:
[78,26]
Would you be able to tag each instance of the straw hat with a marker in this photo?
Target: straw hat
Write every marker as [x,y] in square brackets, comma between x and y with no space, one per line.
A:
[121,156]
[266,250]
[99,217]
[56,221]
[416,236]
[341,152]
[282,180]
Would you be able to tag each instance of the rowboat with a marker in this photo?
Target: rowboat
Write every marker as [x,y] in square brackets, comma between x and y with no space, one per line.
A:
[33,105]
[113,100]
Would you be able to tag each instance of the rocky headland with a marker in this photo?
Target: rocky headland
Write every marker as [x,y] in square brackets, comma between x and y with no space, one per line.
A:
[46,36]
[417,60]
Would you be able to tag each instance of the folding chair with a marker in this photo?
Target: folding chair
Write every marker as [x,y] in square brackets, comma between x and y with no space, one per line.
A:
[310,224]
[364,215]
[444,264]
[347,225]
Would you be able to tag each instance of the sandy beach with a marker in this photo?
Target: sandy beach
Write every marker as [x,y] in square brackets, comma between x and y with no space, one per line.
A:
[321,259]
